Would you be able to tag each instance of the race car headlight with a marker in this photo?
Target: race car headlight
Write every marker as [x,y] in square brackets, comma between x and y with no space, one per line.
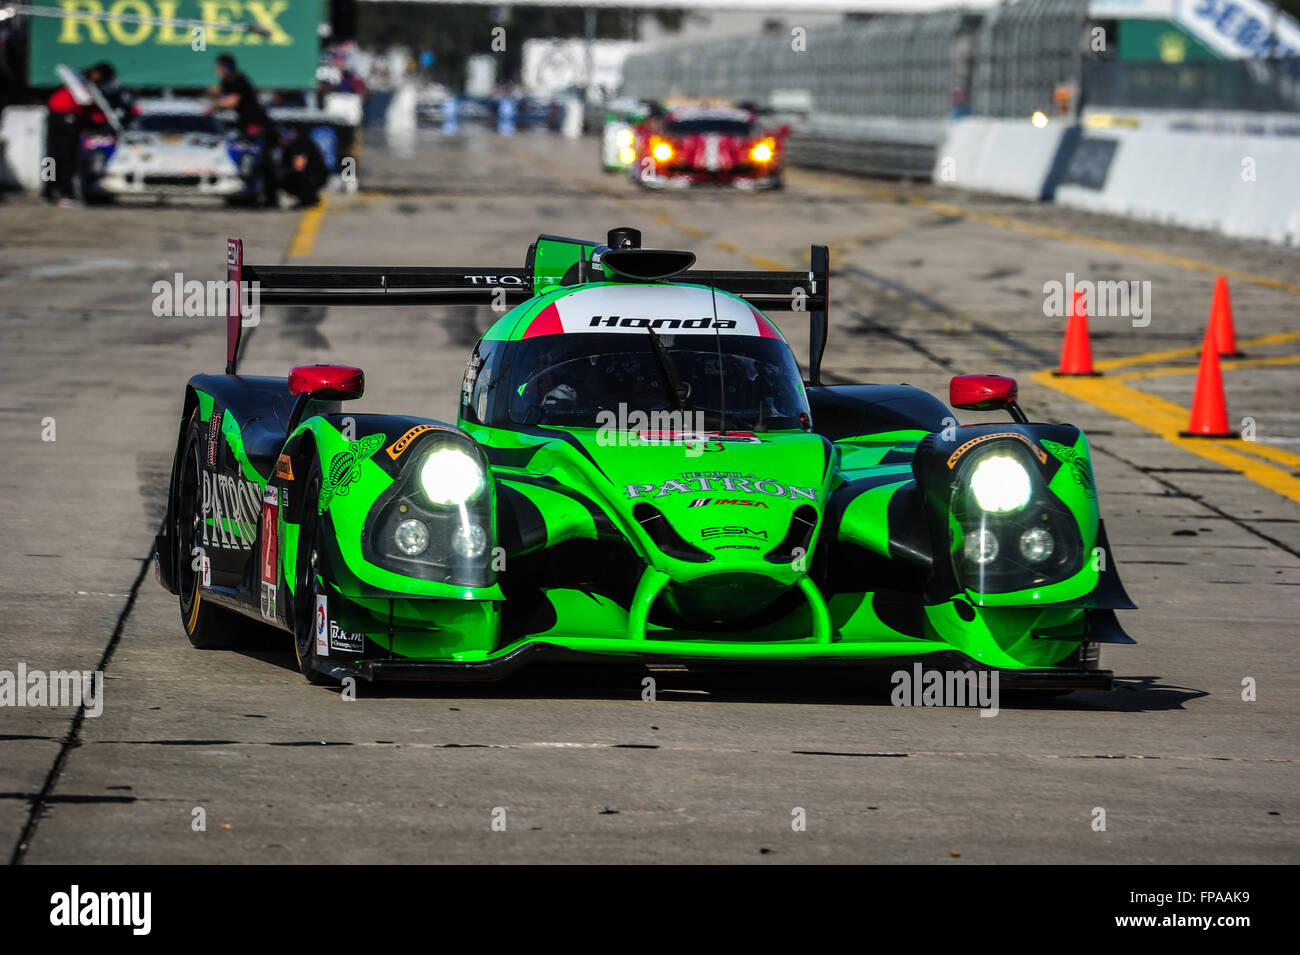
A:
[435,521]
[470,540]
[412,537]
[451,476]
[1037,544]
[623,138]
[1000,484]
[981,546]
[1010,530]
[663,152]
[627,155]
[761,153]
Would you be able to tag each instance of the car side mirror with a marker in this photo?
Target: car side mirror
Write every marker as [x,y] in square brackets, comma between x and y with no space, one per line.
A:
[985,393]
[327,382]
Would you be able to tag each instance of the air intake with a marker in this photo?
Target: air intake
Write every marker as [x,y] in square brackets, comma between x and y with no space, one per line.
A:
[665,538]
[645,265]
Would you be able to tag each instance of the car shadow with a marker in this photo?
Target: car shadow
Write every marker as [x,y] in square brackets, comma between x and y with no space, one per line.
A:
[835,686]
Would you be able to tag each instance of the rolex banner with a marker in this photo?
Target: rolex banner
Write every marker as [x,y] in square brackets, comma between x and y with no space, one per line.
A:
[280,52]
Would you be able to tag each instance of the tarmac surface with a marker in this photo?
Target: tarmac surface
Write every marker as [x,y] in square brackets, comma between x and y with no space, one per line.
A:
[927,283]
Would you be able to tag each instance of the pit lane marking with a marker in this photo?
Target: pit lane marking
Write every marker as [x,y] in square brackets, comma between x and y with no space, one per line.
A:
[1224,365]
[304,237]
[1110,364]
[1258,448]
[1166,419]
[689,230]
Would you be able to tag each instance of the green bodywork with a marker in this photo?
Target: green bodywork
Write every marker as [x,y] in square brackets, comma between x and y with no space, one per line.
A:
[585,488]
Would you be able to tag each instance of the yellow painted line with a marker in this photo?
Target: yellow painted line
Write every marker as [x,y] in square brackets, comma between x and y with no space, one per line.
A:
[769,264]
[1166,419]
[1224,365]
[689,230]
[304,238]
[726,246]
[1255,447]
[1263,449]
[1108,120]
[1064,235]
[1111,364]
[1121,248]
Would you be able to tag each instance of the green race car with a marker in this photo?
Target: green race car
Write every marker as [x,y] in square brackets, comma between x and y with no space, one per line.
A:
[637,471]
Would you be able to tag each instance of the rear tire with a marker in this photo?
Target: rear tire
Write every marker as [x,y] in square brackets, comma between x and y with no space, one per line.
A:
[208,626]
[304,586]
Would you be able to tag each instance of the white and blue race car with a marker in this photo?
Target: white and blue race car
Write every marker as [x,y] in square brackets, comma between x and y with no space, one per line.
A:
[170,147]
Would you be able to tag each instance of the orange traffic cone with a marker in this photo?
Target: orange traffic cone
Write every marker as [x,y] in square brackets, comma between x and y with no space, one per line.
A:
[1076,355]
[1221,330]
[1209,410]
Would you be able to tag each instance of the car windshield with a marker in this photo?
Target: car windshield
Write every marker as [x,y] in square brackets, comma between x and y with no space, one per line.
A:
[177,123]
[696,127]
[569,380]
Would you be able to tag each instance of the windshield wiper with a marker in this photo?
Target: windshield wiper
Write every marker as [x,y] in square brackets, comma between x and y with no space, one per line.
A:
[669,373]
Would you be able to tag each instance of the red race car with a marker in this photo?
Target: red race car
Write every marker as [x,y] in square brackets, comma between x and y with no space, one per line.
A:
[720,145]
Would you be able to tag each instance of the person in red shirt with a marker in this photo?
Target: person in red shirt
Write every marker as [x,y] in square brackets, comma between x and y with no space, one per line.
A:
[63,128]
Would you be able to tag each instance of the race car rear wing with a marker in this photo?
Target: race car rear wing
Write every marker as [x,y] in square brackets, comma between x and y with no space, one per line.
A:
[551,261]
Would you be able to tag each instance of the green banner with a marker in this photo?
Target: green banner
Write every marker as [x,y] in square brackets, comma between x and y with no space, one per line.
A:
[282,55]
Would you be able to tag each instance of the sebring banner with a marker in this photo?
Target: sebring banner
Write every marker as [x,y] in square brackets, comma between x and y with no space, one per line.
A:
[280,51]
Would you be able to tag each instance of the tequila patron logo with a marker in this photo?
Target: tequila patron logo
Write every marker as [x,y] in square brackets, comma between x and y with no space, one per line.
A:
[230,510]
[692,482]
